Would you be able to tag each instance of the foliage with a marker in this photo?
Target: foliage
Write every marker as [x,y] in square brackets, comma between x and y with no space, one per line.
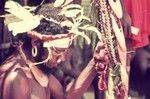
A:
[28,21]
[76,17]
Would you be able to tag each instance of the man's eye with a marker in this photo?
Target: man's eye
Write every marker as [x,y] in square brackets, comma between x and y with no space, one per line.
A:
[58,51]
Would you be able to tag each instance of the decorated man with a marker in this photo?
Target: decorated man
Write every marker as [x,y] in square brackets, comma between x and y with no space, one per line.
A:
[41,41]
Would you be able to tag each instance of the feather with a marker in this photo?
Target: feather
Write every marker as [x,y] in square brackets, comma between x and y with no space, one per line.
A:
[22,26]
[58,3]
[67,23]
[17,10]
[72,6]
[119,34]
[67,2]
[28,21]
[92,28]
[116,7]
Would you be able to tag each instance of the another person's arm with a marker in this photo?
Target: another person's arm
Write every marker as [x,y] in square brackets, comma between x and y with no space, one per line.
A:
[126,20]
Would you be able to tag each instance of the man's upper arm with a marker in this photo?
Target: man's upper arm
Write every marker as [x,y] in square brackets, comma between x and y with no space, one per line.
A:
[56,88]
[16,86]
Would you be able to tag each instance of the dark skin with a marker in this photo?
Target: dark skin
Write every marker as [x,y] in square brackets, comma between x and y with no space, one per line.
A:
[25,80]
[126,20]
[70,68]
[16,80]
[126,24]
[140,66]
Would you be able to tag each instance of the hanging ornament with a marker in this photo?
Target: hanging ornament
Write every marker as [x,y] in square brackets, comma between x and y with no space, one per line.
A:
[116,7]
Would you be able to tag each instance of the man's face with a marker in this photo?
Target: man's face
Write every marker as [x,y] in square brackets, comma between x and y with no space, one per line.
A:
[57,56]
[56,50]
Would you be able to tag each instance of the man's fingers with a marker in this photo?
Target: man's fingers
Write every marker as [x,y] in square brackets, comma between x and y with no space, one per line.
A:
[129,30]
[100,46]
[125,30]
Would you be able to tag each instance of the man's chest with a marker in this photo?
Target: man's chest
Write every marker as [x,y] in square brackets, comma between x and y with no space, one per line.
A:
[37,91]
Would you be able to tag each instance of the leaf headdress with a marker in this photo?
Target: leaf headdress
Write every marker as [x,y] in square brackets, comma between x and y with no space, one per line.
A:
[28,21]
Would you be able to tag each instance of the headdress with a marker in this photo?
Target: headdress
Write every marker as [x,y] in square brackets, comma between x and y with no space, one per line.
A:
[27,22]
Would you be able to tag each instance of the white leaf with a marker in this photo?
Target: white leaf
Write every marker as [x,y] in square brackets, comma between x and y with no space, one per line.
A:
[50,19]
[77,33]
[116,7]
[22,26]
[17,10]
[79,18]
[86,37]
[119,33]
[92,28]
[72,6]
[67,23]
[70,13]
[67,2]
[58,3]
[86,18]
[10,18]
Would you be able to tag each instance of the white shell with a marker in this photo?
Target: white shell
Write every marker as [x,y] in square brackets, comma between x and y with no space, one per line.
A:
[58,3]
[119,34]
[28,21]
[116,7]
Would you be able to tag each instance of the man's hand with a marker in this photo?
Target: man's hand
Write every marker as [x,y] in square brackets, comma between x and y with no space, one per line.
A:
[100,56]
[126,24]
[126,20]
[101,61]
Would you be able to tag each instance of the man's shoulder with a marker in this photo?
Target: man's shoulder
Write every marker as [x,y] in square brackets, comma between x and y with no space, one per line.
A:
[16,81]
[14,78]
[11,64]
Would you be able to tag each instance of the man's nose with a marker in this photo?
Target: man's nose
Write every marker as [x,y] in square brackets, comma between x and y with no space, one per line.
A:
[61,57]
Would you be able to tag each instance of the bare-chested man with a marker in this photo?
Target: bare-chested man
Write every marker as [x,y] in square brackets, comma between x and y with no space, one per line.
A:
[26,73]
